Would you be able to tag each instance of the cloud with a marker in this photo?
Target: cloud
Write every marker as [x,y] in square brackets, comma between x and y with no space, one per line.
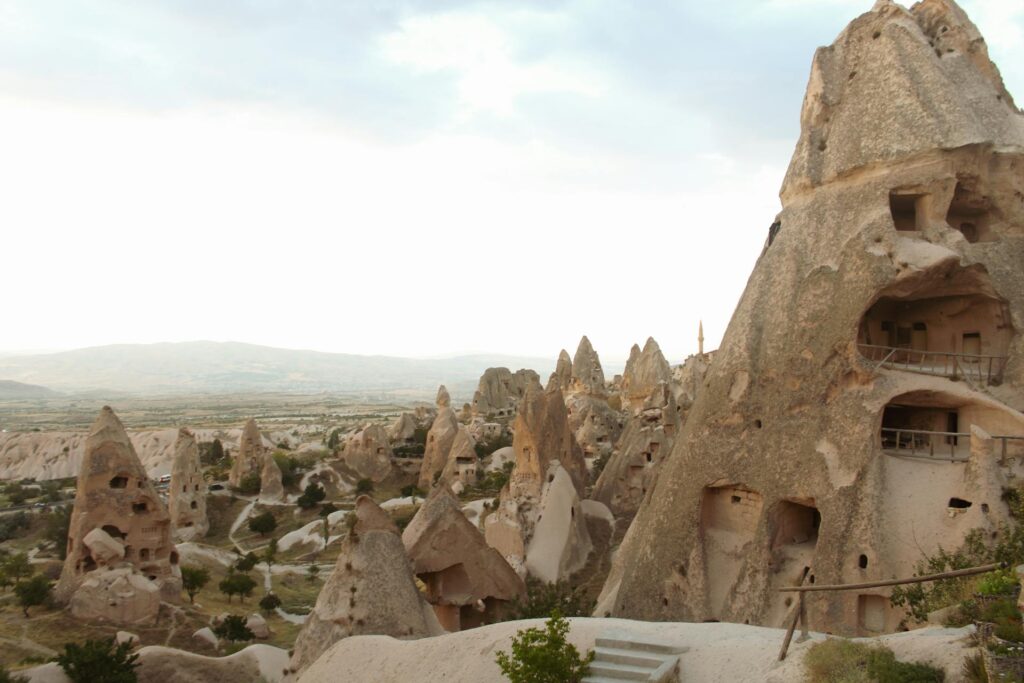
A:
[480,55]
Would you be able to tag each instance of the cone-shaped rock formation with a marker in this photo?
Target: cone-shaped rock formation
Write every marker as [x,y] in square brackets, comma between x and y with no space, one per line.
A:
[186,500]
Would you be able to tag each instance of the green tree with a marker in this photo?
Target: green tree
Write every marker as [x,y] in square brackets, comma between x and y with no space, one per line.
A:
[364,486]
[99,661]
[247,562]
[58,524]
[313,494]
[17,566]
[237,584]
[543,599]
[250,484]
[544,656]
[233,628]
[327,508]
[270,554]
[334,439]
[312,571]
[35,591]
[268,603]
[193,579]
[263,524]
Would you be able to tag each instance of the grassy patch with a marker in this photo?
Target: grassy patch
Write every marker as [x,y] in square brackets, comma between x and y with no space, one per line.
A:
[838,660]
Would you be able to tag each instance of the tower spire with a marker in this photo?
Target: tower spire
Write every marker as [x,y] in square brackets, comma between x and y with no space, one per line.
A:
[700,338]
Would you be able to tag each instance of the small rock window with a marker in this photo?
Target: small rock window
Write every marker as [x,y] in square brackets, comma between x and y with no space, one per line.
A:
[905,210]
[959,503]
[119,482]
[140,507]
[194,505]
[863,562]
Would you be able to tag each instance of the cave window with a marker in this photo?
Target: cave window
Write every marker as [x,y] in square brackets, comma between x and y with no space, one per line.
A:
[972,343]
[863,562]
[649,457]
[959,503]
[140,507]
[197,487]
[736,500]
[174,558]
[904,209]
[184,488]
[194,505]
[113,531]
[119,482]
[144,554]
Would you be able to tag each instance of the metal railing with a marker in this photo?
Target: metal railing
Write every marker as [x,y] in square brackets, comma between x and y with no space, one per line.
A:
[920,443]
[975,367]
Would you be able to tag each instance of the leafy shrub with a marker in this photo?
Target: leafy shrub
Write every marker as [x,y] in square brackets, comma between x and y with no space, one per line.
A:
[313,494]
[247,562]
[999,582]
[269,602]
[193,579]
[364,486]
[211,453]
[544,656]
[33,592]
[233,628]
[250,484]
[599,464]
[262,524]
[412,490]
[973,669]
[7,677]
[58,525]
[11,526]
[99,661]
[488,446]
[838,660]
[237,584]
[291,469]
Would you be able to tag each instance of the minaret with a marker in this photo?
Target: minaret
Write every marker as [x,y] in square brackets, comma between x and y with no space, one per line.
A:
[700,338]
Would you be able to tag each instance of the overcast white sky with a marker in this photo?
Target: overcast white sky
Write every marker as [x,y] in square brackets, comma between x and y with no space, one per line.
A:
[400,177]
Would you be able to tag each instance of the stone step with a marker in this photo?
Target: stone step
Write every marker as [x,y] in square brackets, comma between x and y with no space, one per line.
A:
[651,660]
[640,644]
[622,672]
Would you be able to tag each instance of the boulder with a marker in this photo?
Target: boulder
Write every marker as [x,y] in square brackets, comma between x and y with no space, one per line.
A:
[258,625]
[131,639]
[118,596]
[368,453]
[206,635]
[104,549]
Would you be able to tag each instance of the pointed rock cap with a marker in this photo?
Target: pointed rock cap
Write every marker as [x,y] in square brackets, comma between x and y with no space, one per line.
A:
[440,536]
[370,517]
[897,83]
[443,399]
[186,452]
[586,368]
[108,447]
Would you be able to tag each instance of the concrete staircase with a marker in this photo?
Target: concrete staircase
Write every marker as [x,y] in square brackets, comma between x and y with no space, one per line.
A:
[622,656]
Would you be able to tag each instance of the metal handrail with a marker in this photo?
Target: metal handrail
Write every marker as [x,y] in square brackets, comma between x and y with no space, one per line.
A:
[987,369]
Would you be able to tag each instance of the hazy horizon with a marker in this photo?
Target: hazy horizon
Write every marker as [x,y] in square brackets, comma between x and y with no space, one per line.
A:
[404,180]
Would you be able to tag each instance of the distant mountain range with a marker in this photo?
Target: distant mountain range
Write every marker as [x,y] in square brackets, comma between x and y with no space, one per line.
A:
[16,390]
[232,367]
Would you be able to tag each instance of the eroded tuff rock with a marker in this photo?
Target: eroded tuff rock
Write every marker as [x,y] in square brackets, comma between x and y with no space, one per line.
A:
[403,429]
[562,376]
[548,479]
[587,375]
[500,391]
[271,480]
[448,443]
[468,582]
[645,370]
[368,452]
[249,456]
[186,499]
[120,558]
[370,591]
[895,260]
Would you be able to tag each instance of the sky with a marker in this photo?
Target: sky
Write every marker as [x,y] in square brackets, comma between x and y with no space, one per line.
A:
[401,177]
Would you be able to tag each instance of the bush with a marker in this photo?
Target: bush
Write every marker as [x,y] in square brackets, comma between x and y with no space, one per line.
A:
[262,524]
[544,656]
[488,446]
[412,490]
[99,661]
[193,579]
[247,562]
[290,469]
[12,525]
[543,599]
[237,584]
[250,484]
[999,582]
[838,660]
[233,628]
[6,677]
[58,525]
[212,454]
[269,602]
[33,592]
[364,486]
[313,494]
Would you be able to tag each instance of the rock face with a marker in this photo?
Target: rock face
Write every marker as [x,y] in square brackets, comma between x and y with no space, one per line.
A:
[587,375]
[644,371]
[120,559]
[404,428]
[462,461]
[250,455]
[548,478]
[878,338]
[500,391]
[370,591]
[468,582]
[446,432]
[368,452]
[271,480]
[562,376]
[186,502]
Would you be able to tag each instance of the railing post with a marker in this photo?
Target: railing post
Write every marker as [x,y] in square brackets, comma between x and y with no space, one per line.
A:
[804,635]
